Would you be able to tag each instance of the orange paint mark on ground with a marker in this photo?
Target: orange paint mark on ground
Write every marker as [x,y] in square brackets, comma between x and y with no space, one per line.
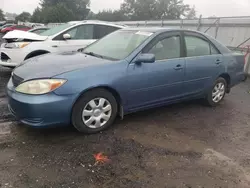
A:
[100,158]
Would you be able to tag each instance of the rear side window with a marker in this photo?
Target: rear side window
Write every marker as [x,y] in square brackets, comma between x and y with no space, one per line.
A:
[83,32]
[196,46]
[103,30]
[199,47]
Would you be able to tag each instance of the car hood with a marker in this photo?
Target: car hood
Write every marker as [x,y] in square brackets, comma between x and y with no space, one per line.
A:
[50,65]
[16,34]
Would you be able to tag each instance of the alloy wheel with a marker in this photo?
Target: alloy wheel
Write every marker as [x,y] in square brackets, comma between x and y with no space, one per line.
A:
[218,92]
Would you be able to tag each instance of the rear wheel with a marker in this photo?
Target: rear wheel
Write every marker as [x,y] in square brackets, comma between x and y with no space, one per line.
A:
[217,93]
[94,111]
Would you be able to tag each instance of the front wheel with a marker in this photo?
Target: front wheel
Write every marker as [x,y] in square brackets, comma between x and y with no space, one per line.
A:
[94,111]
[217,93]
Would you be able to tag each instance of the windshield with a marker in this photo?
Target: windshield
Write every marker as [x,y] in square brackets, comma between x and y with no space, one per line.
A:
[118,45]
[55,30]
[38,31]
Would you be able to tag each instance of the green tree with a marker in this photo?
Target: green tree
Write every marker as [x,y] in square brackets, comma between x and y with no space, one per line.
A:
[25,16]
[157,9]
[110,15]
[37,16]
[191,14]
[57,14]
[1,15]
[78,7]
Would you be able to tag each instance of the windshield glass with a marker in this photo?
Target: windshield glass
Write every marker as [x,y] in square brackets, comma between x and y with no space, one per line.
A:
[55,30]
[118,45]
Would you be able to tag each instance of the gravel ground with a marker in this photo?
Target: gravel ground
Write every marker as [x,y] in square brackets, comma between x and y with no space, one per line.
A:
[184,145]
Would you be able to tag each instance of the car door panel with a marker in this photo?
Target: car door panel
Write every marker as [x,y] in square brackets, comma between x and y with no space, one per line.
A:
[200,72]
[153,83]
[202,67]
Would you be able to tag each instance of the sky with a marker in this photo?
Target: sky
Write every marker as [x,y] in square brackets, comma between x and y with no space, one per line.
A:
[205,7]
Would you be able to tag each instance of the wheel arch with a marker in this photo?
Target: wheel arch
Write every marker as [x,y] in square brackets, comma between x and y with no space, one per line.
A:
[109,89]
[36,53]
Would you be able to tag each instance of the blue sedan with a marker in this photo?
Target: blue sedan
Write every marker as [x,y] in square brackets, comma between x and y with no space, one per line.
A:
[129,70]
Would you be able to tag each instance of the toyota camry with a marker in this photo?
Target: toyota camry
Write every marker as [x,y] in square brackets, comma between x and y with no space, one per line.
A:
[129,70]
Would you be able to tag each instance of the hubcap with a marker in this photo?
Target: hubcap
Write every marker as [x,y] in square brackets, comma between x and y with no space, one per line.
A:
[218,92]
[96,113]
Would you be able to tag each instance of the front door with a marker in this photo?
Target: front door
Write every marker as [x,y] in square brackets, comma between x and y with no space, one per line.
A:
[203,63]
[155,83]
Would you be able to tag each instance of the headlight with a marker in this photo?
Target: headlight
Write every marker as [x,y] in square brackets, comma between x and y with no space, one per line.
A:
[16,45]
[38,87]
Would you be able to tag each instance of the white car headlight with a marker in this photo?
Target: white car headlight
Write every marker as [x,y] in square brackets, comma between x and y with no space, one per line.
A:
[16,45]
[38,87]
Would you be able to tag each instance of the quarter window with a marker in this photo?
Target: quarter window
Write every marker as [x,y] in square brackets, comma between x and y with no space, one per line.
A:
[213,50]
[167,48]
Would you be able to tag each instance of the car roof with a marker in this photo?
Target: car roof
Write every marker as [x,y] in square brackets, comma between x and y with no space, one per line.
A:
[97,22]
[158,29]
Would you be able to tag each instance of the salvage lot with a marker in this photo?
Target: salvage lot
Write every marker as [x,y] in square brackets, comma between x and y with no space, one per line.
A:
[182,145]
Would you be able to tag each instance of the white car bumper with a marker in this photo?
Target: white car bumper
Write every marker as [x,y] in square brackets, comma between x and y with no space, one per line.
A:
[11,57]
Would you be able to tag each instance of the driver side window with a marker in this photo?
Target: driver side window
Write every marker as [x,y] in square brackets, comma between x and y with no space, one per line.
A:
[167,48]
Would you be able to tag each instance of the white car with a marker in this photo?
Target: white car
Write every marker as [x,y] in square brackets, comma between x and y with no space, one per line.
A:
[71,36]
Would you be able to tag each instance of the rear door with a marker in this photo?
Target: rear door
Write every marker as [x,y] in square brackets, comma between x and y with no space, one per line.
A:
[203,63]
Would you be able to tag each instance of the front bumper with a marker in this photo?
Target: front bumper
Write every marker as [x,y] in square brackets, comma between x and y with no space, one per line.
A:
[40,110]
[13,57]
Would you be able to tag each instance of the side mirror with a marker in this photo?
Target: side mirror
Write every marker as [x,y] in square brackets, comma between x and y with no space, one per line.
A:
[66,36]
[145,58]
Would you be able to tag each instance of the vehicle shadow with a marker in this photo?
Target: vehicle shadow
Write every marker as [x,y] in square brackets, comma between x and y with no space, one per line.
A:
[142,117]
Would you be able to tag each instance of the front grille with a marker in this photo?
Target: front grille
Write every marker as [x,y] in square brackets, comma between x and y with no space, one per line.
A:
[4,57]
[16,80]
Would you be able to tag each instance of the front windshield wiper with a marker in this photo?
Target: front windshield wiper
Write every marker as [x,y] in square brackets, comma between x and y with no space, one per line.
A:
[93,54]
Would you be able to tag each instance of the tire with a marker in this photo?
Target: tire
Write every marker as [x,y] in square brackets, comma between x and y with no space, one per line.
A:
[94,122]
[210,99]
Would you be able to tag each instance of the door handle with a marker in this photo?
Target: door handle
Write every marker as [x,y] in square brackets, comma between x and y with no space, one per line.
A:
[54,46]
[178,67]
[218,61]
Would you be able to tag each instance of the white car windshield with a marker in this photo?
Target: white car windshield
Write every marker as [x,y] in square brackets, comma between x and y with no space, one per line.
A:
[55,30]
[117,45]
